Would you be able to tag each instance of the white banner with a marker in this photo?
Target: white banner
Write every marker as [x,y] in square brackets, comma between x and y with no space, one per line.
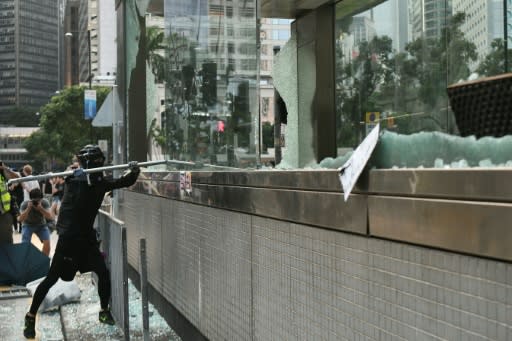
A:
[350,171]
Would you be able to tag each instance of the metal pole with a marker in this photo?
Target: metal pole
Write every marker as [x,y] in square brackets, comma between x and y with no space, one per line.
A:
[90,62]
[90,75]
[143,269]
[126,299]
[277,121]
[505,33]
[86,171]
[115,148]
[109,168]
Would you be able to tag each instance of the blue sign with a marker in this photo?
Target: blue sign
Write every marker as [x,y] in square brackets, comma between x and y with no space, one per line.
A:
[89,104]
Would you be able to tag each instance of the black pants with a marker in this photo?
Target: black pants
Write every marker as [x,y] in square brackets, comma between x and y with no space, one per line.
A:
[71,256]
[5,228]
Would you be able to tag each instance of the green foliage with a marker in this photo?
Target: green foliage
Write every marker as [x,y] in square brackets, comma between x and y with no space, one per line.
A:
[376,78]
[441,62]
[63,128]
[154,48]
[494,62]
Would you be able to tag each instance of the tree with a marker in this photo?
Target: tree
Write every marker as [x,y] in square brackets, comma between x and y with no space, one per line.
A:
[154,48]
[64,130]
[376,78]
[358,84]
[494,62]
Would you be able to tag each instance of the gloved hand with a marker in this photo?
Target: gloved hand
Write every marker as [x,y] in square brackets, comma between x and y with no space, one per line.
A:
[132,165]
[78,172]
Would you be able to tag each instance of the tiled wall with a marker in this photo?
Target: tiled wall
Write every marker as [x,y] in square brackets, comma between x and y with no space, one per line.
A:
[241,277]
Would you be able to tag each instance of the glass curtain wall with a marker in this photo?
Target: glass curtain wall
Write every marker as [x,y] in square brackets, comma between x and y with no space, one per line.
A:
[202,81]
[395,60]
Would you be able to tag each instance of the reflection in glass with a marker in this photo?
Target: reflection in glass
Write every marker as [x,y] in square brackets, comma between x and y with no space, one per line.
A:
[204,56]
[395,60]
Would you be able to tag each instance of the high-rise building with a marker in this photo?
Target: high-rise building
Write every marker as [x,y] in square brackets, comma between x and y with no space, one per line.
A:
[362,29]
[71,19]
[88,39]
[483,24]
[29,55]
[91,49]
[274,34]
[107,35]
[429,17]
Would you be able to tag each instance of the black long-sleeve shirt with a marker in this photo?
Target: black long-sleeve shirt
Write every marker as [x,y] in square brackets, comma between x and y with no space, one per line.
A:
[81,202]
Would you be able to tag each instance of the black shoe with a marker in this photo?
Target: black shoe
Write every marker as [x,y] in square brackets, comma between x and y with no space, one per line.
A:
[106,317]
[29,330]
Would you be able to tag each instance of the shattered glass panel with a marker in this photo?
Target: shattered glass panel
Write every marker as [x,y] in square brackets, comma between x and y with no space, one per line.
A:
[395,60]
[203,104]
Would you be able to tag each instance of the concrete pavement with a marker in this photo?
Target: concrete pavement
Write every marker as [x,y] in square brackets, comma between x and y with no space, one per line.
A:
[78,320]
[14,305]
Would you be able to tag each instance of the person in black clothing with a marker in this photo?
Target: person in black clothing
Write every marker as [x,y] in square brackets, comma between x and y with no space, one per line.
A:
[77,247]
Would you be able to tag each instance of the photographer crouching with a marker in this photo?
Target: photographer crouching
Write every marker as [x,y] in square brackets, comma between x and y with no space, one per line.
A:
[34,214]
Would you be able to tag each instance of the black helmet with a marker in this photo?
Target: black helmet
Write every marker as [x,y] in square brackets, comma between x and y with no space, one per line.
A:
[91,156]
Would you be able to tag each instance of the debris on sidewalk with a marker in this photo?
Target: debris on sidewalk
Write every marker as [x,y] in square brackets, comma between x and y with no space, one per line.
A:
[49,326]
[80,319]
[12,313]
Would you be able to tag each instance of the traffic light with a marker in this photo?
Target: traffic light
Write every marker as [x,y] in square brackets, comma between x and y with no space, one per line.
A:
[391,122]
[241,116]
[188,74]
[209,84]
[220,126]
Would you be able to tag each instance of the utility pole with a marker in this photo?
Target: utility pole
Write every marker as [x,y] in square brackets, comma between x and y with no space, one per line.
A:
[90,57]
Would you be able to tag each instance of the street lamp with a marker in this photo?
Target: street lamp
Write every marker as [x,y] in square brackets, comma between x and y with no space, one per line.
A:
[70,34]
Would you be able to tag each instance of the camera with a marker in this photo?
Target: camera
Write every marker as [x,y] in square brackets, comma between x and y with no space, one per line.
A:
[35,202]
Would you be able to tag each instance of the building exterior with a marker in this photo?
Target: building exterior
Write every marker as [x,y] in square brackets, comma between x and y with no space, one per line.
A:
[274,33]
[107,35]
[363,28]
[251,254]
[91,32]
[483,24]
[30,53]
[88,40]
[12,151]
[429,17]
[71,51]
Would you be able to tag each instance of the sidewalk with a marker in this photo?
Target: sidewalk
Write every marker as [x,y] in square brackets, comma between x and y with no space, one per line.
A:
[79,320]
[13,310]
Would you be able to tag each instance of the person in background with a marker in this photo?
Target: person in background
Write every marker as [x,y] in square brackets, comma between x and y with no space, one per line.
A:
[5,204]
[57,191]
[34,214]
[28,185]
[77,247]
[16,190]
[15,212]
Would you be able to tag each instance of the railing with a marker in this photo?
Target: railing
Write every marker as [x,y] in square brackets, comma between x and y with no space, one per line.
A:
[113,243]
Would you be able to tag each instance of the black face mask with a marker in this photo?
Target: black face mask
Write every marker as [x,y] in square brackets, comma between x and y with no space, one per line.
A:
[87,164]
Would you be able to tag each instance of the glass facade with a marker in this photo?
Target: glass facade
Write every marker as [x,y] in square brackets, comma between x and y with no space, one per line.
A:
[203,82]
[395,60]
[7,55]
[29,48]
[39,52]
